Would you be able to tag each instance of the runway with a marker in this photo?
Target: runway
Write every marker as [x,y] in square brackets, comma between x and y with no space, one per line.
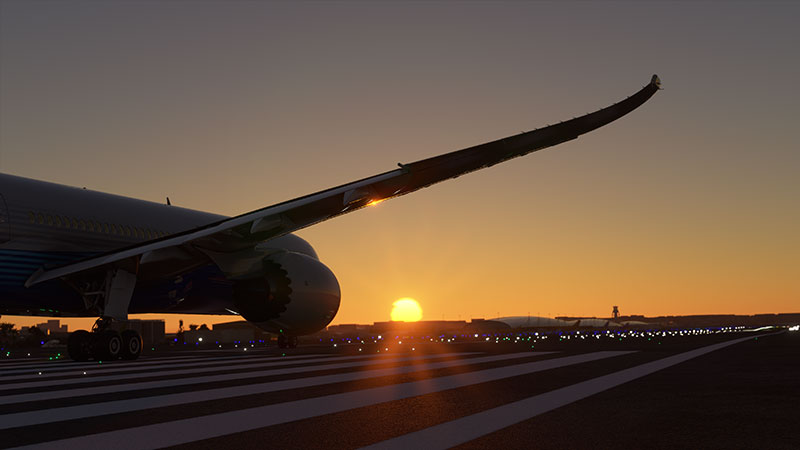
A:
[442,397]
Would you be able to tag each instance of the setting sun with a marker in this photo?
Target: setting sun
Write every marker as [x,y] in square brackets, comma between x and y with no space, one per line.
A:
[406,310]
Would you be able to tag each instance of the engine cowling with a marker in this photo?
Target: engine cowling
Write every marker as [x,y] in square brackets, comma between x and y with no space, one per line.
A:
[293,294]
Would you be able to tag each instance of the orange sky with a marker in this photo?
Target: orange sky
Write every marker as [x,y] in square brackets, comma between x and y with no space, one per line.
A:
[687,206]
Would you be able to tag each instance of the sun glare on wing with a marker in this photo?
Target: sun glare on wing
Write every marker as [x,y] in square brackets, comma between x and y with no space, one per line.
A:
[375,202]
[406,310]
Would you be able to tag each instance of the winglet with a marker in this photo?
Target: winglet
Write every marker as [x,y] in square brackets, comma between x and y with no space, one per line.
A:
[656,81]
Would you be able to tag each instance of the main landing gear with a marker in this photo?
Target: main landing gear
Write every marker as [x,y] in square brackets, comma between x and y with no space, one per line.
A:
[287,341]
[104,343]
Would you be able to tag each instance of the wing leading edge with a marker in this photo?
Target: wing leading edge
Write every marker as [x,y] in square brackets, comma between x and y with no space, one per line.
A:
[247,230]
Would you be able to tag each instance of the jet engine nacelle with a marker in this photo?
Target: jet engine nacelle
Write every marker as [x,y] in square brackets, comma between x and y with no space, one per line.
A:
[294,294]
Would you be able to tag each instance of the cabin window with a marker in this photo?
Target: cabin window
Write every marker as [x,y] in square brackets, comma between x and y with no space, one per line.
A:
[74,223]
[49,220]
[65,221]
[57,221]
[31,216]
[127,231]
[105,227]
[113,229]
[40,218]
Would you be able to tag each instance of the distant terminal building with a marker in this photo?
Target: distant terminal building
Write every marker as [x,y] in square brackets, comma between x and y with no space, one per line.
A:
[636,324]
[152,331]
[420,328]
[239,331]
[596,323]
[454,327]
[533,322]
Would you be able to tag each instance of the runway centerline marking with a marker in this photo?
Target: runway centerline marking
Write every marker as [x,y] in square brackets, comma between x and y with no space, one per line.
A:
[215,425]
[468,428]
[41,416]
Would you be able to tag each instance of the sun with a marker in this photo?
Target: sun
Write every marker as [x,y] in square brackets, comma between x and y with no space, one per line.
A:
[406,310]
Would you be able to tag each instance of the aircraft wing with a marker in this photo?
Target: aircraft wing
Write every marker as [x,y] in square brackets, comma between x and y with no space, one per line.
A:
[249,229]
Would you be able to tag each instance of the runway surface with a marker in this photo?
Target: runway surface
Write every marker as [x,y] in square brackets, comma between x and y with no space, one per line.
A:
[722,392]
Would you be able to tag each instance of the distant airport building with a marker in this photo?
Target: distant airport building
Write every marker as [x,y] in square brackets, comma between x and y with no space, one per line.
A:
[533,322]
[596,323]
[239,331]
[419,328]
[152,331]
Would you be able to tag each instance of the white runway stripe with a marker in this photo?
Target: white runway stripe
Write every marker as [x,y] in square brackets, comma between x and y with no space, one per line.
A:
[465,429]
[97,370]
[114,407]
[40,362]
[244,363]
[35,362]
[96,390]
[214,425]
[128,366]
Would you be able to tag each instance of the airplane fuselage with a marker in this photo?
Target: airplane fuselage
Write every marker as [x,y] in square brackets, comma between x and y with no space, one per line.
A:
[45,224]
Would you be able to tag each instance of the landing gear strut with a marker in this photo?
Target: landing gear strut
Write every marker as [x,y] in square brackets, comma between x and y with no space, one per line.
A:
[287,341]
[104,343]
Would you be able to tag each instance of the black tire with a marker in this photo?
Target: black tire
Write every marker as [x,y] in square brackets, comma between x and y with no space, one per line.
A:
[107,345]
[79,345]
[131,345]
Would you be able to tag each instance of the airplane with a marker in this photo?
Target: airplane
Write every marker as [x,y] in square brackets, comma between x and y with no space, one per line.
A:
[74,252]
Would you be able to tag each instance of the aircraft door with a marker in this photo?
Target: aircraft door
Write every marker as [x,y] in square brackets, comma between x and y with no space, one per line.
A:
[5,223]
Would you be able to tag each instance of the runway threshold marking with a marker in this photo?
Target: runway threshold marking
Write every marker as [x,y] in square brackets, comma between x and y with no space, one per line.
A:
[244,364]
[49,367]
[36,362]
[37,417]
[468,428]
[137,386]
[97,370]
[215,425]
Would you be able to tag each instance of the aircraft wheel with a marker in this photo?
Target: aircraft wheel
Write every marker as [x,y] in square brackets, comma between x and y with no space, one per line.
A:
[292,341]
[107,345]
[283,341]
[131,345]
[79,345]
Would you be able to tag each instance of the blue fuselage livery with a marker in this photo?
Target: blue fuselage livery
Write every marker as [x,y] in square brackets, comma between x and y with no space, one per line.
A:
[46,225]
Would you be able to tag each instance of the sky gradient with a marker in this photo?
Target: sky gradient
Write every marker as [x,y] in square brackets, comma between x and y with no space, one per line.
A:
[689,205]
